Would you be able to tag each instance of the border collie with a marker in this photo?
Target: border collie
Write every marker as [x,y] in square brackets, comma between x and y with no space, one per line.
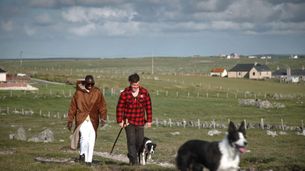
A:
[216,156]
[148,148]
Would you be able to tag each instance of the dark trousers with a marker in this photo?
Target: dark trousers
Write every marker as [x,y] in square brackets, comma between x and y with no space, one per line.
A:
[135,138]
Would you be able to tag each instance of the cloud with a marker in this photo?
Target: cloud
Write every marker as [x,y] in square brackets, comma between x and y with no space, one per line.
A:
[30,31]
[118,29]
[84,14]
[43,19]
[127,17]
[7,25]
[110,21]
[51,3]
[84,30]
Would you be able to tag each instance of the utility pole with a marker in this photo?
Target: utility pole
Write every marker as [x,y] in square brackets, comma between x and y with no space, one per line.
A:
[20,55]
[152,65]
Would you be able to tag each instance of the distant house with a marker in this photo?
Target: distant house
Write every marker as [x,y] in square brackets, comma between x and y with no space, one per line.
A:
[290,75]
[233,56]
[251,71]
[259,72]
[219,72]
[2,75]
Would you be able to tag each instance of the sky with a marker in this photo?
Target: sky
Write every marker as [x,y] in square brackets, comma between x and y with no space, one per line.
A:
[137,28]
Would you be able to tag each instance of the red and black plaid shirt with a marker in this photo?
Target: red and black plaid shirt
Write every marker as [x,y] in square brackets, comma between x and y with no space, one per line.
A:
[134,108]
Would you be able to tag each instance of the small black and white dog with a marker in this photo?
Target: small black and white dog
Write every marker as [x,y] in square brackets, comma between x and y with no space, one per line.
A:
[216,156]
[147,149]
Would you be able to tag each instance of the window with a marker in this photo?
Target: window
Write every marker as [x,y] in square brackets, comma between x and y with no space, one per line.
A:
[253,73]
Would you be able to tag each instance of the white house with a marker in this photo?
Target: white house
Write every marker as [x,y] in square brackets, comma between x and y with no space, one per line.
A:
[220,72]
[2,75]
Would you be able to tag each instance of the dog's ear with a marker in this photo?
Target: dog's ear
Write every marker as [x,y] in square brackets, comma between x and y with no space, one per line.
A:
[155,145]
[242,128]
[232,127]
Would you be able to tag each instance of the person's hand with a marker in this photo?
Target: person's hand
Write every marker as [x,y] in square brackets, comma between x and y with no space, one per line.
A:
[121,124]
[103,122]
[69,126]
[124,124]
[148,124]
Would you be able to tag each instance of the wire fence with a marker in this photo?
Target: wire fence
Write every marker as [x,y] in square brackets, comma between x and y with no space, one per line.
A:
[159,92]
[170,122]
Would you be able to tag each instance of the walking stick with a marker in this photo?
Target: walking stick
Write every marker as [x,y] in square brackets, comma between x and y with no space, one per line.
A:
[116,140]
[124,125]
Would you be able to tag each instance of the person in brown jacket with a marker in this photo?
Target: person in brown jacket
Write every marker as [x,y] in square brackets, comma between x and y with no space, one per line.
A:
[87,109]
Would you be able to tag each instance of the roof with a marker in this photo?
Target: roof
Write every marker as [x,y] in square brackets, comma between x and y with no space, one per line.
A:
[248,67]
[217,70]
[242,67]
[2,71]
[259,67]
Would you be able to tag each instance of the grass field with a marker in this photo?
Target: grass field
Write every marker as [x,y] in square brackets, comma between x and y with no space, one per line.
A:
[179,89]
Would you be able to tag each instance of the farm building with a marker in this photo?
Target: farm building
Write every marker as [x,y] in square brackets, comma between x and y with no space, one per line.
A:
[251,71]
[219,72]
[290,75]
[2,75]
[14,82]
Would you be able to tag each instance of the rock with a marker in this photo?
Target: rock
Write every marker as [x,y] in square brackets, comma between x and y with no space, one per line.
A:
[175,133]
[20,135]
[272,133]
[45,136]
[214,132]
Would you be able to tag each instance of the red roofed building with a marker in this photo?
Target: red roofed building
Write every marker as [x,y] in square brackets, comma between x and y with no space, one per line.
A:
[218,72]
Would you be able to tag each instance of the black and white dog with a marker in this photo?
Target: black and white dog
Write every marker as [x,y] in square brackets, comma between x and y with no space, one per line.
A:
[216,156]
[147,149]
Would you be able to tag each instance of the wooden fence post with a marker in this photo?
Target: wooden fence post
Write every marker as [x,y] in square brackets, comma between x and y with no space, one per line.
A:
[184,123]
[262,123]
[245,123]
[198,121]
[282,124]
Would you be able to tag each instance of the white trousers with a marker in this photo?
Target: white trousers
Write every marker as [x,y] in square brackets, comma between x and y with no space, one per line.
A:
[87,140]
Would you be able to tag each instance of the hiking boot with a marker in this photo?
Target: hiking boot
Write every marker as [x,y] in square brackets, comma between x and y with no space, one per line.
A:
[81,158]
[89,164]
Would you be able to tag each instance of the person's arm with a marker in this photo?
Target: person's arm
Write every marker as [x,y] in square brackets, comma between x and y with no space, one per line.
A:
[148,108]
[102,109]
[72,112]
[120,110]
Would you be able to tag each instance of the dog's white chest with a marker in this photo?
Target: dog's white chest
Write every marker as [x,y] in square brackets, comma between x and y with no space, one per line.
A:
[228,164]
[229,160]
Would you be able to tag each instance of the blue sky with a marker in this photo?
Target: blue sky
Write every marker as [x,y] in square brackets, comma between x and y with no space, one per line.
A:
[134,28]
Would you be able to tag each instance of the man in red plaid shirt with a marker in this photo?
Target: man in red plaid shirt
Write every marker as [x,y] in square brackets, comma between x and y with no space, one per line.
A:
[134,103]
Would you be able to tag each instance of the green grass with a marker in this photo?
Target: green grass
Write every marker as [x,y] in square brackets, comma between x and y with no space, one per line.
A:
[217,100]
